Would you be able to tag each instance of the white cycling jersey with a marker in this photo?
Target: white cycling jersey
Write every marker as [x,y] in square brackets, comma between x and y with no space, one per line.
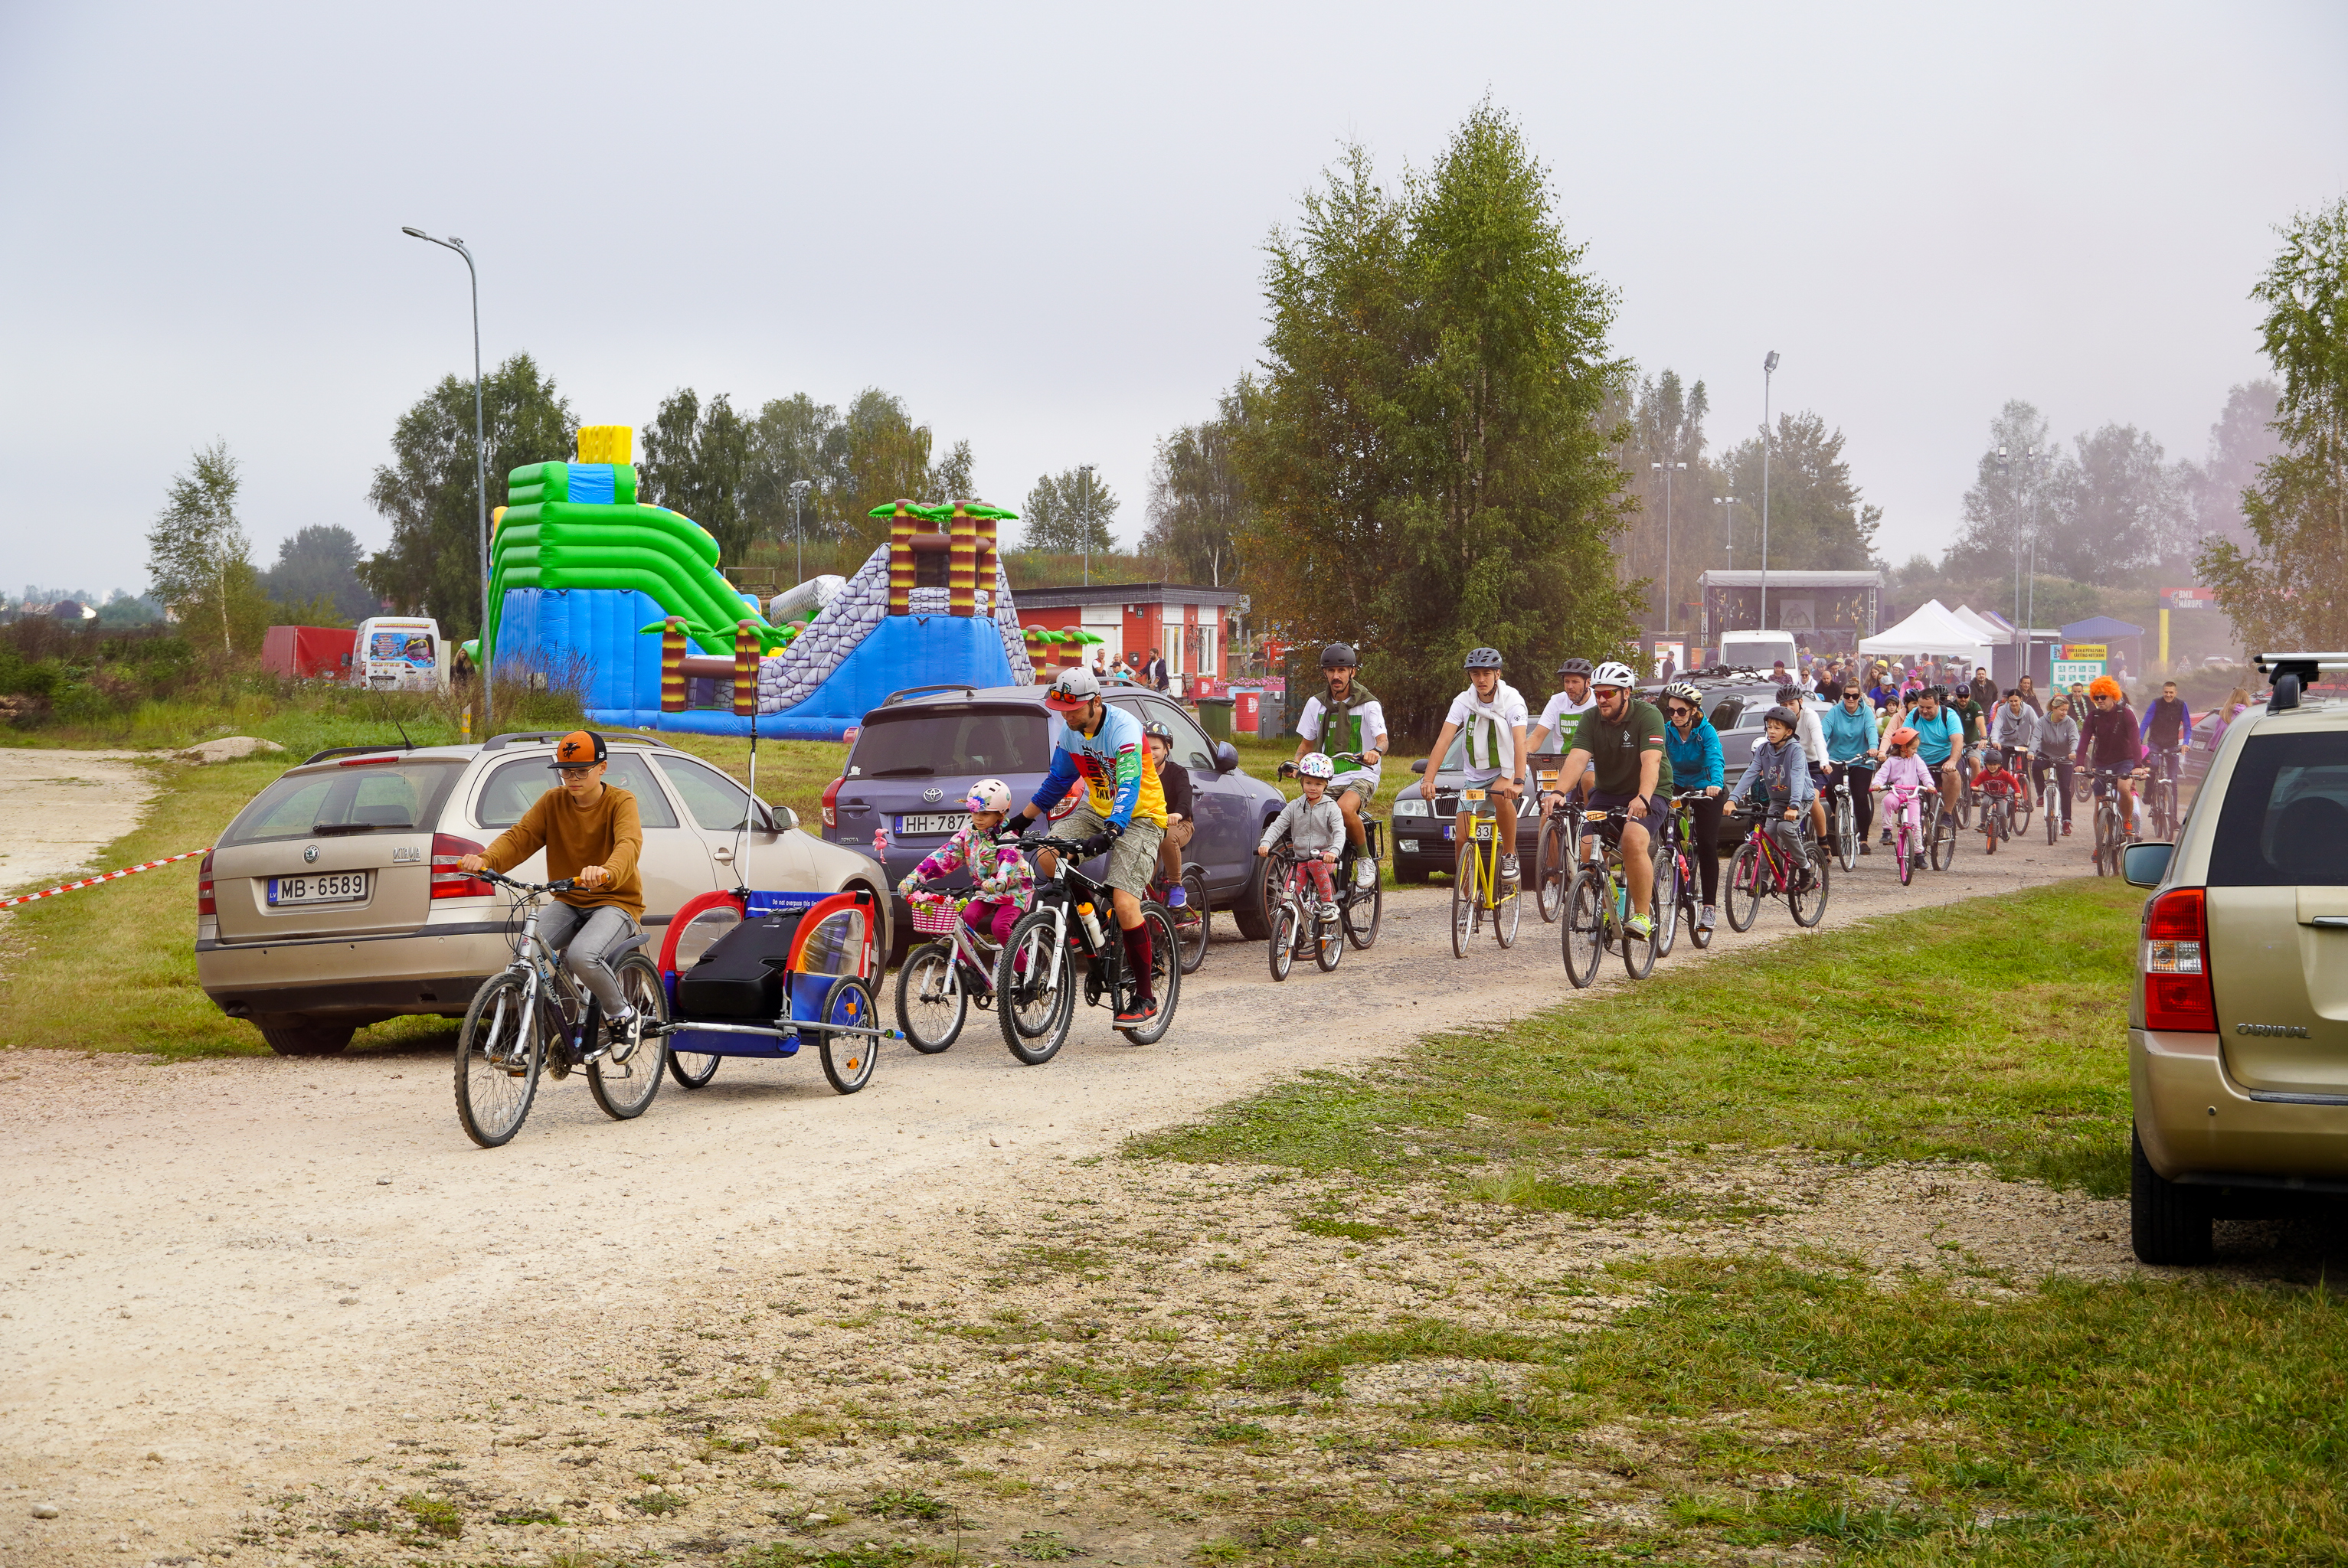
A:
[1558,719]
[1490,730]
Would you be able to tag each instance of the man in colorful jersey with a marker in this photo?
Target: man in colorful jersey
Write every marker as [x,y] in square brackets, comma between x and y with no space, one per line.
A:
[1124,811]
[1491,715]
[1346,717]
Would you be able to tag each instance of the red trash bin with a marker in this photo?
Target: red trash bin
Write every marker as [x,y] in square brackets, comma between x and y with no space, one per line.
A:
[1244,717]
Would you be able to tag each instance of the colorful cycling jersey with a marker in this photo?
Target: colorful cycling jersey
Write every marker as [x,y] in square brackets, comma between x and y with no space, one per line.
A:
[1120,775]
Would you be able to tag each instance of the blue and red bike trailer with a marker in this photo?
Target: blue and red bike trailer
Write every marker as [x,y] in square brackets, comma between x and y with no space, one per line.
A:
[759,974]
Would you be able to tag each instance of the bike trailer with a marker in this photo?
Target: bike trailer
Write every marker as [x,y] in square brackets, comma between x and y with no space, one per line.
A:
[753,976]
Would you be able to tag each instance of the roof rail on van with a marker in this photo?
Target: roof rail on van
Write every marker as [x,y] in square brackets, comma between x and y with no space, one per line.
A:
[2294,673]
[541,737]
[917,691]
[350,752]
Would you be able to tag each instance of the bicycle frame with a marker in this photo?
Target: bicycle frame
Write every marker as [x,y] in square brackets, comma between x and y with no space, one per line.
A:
[968,946]
[1058,895]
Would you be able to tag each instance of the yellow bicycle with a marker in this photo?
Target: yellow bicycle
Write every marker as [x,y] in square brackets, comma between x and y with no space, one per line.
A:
[1475,888]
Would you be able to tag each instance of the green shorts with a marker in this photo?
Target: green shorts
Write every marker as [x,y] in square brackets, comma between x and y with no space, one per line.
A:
[1132,858]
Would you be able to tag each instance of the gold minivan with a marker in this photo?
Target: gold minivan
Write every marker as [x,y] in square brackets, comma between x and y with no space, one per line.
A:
[333,901]
[2238,1032]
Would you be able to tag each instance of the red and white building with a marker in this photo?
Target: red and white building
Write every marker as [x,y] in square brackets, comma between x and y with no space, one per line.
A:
[1183,623]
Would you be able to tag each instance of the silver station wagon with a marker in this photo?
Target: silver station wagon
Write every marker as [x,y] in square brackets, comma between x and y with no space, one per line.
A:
[333,901]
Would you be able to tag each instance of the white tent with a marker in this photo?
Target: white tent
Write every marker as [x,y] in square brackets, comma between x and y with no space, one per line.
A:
[1934,630]
[1991,632]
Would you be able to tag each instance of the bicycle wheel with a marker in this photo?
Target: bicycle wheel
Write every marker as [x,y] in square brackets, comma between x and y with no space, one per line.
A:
[1988,832]
[1328,941]
[1944,844]
[849,1059]
[2107,824]
[1465,887]
[1845,827]
[2053,822]
[930,1006]
[623,1079]
[2018,813]
[1551,866]
[1904,848]
[1810,908]
[1191,921]
[1282,951]
[1034,1005]
[498,1054]
[692,1069]
[1361,913]
[1667,905]
[1744,889]
[1508,910]
[1638,952]
[1165,979]
[1584,916]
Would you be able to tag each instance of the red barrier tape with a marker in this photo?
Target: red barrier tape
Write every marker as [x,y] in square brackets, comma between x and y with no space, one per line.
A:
[94,881]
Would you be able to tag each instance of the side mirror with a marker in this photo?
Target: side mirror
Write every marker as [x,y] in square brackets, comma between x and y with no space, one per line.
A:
[786,819]
[2143,864]
[1227,756]
[1419,766]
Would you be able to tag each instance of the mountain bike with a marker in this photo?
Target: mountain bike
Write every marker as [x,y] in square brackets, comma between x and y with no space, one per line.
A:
[2113,836]
[1598,907]
[1475,887]
[1301,922]
[1686,884]
[1996,821]
[1842,822]
[1035,979]
[1761,869]
[1192,920]
[533,1015]
[940,980]
[1940,831]
[1552,865]
[2161,792]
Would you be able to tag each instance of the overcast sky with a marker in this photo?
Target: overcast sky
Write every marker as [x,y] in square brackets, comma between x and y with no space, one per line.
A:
[1043,226]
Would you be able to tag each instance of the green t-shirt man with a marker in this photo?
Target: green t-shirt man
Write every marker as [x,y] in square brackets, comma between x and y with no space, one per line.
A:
[1615,748]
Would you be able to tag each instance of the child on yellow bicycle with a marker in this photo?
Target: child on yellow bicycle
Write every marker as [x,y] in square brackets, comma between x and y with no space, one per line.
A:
[1313,824]
[1003,886]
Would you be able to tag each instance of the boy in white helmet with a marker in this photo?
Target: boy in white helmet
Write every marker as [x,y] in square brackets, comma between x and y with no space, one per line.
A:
[1312,822]
[1001,886]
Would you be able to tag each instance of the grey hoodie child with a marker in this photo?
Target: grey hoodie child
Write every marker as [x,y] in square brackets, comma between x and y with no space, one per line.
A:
[1313,827]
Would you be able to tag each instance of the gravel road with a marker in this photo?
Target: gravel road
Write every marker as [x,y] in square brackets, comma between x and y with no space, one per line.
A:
[218,1273]
[63,807]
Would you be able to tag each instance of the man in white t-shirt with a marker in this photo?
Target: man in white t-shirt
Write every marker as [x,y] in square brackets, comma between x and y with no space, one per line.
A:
[1554,730]
[1490,715]
[1347,718]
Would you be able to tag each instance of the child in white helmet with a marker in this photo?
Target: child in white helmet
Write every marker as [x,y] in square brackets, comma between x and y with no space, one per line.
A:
[1001,885]
[1312,822]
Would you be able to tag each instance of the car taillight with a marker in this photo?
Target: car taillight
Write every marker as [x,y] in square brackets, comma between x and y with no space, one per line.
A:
[2176,994]
[1068,802]
[205,903]
[832,802]
[447,881]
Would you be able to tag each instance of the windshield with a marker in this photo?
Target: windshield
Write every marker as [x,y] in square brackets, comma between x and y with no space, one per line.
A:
[918,744]
[357,797]
[2285,822]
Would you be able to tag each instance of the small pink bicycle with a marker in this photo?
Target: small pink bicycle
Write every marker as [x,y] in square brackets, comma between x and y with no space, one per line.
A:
[940,978]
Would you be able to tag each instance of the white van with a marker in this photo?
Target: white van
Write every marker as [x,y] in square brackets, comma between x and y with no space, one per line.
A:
[1757,651]
[399,653]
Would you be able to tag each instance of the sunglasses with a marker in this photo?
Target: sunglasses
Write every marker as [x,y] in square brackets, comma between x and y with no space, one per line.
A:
[1679,710]
[579,773]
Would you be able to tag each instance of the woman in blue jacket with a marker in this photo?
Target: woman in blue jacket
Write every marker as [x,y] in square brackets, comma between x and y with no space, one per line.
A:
[1692,746]
[1853,748]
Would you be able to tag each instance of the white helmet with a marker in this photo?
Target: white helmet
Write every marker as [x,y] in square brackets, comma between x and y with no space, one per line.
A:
[1614,672]
[988,795]
[1072,689]
[1316,765]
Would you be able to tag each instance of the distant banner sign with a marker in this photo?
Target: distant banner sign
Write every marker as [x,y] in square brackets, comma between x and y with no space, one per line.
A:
[2189,598]
[2070,673]
[1797,614]
[2094,651]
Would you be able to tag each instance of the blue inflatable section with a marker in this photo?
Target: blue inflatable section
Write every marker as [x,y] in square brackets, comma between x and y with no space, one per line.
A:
[546,625]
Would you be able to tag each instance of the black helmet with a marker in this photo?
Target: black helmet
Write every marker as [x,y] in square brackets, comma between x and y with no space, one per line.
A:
[1482,658]
[1575,667]
[1782,715]
[1340,656]
[1156,731]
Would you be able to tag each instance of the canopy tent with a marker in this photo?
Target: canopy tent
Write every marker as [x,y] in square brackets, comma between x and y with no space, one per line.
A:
[1992,631]
[2099,628]
[1934,630]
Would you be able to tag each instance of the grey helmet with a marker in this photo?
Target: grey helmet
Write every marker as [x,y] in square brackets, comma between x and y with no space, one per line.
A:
[1481,659]
[1340,656]
[1575,667]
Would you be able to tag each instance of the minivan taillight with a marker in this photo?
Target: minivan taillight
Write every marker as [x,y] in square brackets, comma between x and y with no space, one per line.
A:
[447,881]
[2176,994]
[205,903]
[831,801]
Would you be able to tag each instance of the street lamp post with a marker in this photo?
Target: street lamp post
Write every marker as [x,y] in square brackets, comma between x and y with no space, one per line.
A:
[2026,609]
[1769,369]
[1085,519]
[799,488]
[1665,470]
[480,467]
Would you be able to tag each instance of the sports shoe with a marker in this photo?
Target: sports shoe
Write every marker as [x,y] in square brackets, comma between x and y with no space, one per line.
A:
[1705,917]
[1365,873]
[1176,898]
[1916,862]
[1507,871]
[1887,837]
[2066,828]
[1326,911]
[1865,848]
[1639,925]
[1140,1010]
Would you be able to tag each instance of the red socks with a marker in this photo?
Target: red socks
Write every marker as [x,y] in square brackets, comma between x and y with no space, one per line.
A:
[1136,959]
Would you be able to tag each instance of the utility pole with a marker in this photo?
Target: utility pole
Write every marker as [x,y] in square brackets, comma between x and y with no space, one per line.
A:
[1665,470]
[1769,369]
[1085,519]
[481,463]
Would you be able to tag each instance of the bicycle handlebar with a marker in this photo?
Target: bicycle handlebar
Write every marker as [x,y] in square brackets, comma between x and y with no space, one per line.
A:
[563,885]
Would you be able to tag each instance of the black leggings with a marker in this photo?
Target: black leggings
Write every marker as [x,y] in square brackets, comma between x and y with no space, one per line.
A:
[1862,797]
[1704,816]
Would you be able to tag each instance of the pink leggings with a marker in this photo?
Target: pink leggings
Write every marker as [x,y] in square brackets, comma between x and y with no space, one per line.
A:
[1319,871]
[993,921]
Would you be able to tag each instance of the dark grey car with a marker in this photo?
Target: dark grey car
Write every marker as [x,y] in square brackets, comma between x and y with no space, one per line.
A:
[917,755]
[1422,835]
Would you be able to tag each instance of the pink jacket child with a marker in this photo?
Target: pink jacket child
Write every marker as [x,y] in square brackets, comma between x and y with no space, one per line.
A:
[1002,884]
[1909,772]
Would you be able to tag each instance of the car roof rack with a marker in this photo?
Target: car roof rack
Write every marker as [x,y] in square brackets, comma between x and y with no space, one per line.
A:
[2292,673]
[536,737]
[349,752]
[918,690]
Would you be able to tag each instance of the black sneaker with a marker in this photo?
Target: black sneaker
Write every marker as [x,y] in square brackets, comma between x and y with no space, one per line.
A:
[1141,1009]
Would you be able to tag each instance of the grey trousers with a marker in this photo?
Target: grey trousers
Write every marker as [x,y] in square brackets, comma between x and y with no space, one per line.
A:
[585,938]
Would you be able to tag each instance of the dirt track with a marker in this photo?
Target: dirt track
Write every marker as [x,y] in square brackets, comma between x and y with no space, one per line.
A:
[231,1277]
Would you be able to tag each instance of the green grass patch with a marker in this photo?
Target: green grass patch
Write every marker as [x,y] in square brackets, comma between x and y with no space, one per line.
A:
[897,1504]
[1993,1030]
[526,1516]
[1320,1367]
[1345,1230]
[656,1502]
[1625,1197]
[435,1515]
